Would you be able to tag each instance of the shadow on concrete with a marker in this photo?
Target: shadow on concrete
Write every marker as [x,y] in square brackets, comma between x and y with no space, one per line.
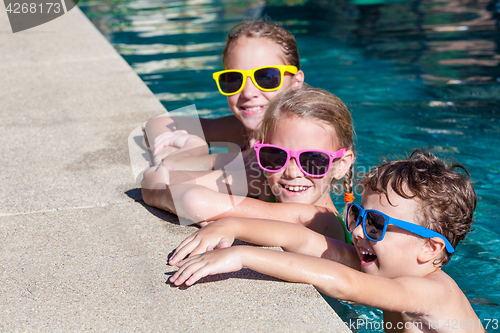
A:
[244,273]
[136,195]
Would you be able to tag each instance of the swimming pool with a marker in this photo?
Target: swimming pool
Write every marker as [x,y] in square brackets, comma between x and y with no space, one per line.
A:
[413,73]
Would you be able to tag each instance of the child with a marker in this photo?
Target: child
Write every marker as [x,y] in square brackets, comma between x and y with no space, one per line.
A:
[260,59]
[412,216]
[304,145]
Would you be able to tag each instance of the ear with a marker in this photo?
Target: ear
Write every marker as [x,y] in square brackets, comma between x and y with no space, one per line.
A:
[344,164]
[298,80]
[431,249]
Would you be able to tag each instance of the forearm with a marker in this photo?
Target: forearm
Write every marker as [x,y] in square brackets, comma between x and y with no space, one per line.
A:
[291,238]
[329,277]
[186,162]
[156,126]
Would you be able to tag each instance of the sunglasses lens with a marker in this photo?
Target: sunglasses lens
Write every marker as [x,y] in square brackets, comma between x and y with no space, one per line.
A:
[315,163]
[352,217]
[230,82]
[268,78]
[271,158]
[374,225]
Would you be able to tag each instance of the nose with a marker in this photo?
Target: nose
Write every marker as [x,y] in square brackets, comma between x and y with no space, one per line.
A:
[292,170]
[358,232]
[250,90]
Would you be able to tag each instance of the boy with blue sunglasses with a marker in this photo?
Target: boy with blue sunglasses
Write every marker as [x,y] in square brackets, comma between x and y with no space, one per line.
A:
[412,216]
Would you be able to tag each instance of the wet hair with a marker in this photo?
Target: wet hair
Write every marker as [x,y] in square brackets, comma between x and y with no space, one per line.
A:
[312,104]
[264,29]
[446,196]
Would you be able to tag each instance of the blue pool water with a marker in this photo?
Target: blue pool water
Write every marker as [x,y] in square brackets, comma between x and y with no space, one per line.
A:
[414,74]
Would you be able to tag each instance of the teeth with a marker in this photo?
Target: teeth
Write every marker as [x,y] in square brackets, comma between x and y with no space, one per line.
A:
[295,188]
[366,252]
[256,108]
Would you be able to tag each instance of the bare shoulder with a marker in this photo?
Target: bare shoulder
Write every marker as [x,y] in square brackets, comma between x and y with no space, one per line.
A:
[445,282]
[454,310]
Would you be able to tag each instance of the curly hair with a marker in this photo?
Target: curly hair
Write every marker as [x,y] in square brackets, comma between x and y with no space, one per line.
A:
[446,196]
[264,29]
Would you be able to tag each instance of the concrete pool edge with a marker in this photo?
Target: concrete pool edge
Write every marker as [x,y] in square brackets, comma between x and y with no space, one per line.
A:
[80,252]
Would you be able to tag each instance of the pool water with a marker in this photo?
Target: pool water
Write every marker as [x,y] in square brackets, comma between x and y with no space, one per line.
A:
[413,73]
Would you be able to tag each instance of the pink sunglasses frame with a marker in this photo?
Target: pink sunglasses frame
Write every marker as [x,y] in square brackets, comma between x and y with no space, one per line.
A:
[295,154]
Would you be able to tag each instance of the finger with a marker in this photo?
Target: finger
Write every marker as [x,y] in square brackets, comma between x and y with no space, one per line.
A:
[167,135]
[182,253]
[179,251]
[187,269]
[160,145]
[174,277]
[166,140]
[188,260]
[202,248]
[189,250]
[193,273]
[224,243]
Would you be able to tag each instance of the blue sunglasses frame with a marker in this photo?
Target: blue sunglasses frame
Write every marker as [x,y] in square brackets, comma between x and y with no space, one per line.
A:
[411,227]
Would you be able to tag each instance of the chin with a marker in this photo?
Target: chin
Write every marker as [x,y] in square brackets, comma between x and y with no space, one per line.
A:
[295,200]
[252,123]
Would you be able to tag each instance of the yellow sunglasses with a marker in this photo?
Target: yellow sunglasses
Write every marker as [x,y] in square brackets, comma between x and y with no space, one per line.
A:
[268,78]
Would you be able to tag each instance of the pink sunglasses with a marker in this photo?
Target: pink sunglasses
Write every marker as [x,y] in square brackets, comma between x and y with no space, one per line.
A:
[313,163]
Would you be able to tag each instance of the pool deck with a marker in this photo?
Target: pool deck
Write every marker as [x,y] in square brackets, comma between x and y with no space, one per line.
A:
[79,250]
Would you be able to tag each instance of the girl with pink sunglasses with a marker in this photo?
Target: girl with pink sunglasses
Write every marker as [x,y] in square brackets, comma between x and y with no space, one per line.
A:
[305,147]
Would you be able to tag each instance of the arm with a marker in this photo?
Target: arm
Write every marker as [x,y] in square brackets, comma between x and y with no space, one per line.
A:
[202,204]
[159,181]
[192,154]
[291,237]
[191,151]
[419,295]
[233,129]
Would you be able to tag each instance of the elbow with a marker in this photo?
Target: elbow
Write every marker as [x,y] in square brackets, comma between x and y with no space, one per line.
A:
[147,196]
[193,203]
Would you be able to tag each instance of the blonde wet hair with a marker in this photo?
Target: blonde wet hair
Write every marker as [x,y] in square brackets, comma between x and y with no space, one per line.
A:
[264,29]
[312,104]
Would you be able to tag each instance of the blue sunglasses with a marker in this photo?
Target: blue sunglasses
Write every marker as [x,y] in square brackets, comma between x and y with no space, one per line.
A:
[375,225]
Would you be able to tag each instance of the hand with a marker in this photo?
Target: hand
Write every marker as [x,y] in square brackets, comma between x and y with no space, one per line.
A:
[175,147]
[216,235]
[168,143]
[172,139]
[209,263]
[156,177]
[163,153]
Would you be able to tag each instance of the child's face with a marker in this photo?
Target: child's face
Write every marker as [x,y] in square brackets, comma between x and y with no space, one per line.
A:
[248,53]
[395,255]
[291,184]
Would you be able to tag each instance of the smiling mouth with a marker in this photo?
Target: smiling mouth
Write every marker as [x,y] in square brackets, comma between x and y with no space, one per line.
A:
[252,110]
[367,256]
[296,188]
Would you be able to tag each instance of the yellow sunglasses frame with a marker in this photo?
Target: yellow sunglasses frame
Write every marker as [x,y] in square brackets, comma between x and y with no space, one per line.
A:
[251,74]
